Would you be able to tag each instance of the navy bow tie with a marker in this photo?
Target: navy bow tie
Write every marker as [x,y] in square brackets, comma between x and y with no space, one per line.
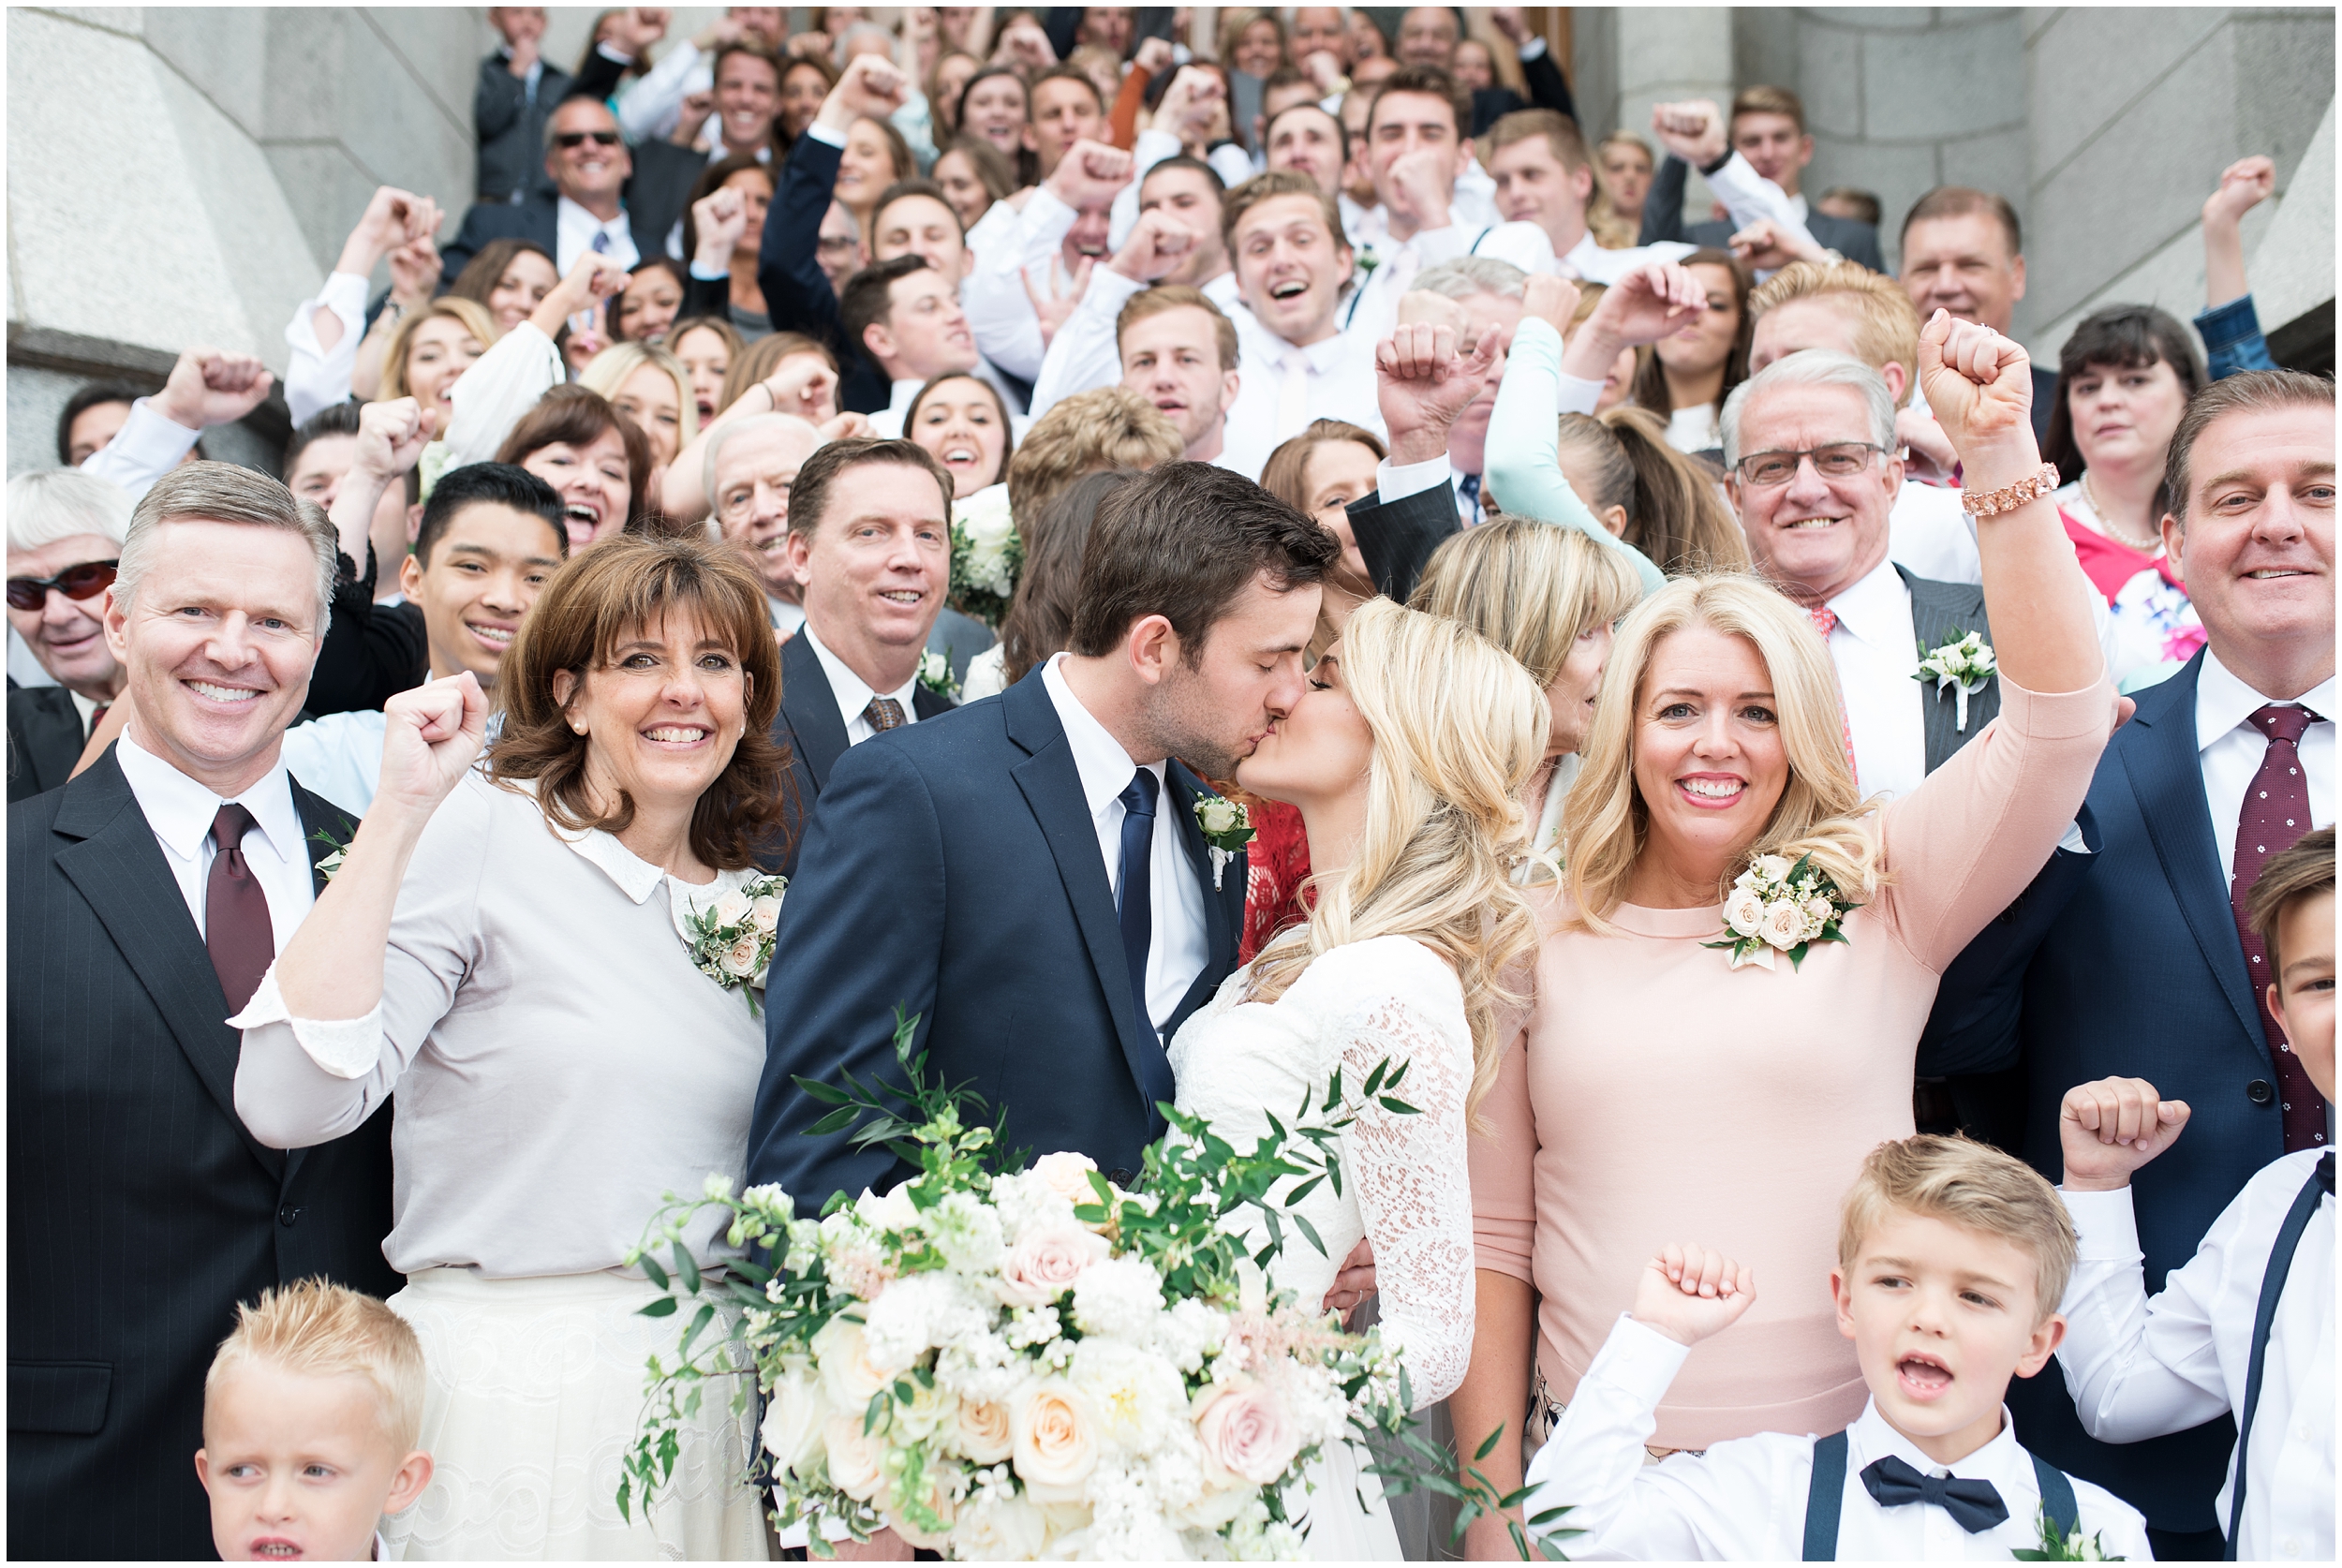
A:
[1974,1505]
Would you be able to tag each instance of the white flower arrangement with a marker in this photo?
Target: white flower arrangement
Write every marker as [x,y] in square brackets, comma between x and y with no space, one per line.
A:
[1775,907]
[1965,664]
[731,937]
[1226,826]
[935,674]
[1018,1364]
[988,555]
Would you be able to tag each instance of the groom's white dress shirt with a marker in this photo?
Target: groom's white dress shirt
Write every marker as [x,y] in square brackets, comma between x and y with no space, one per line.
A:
[1180,948]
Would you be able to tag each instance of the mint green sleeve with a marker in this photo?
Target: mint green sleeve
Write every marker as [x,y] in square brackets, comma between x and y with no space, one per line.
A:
[1525,462]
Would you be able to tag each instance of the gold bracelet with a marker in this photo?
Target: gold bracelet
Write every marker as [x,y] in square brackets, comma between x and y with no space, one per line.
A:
[2009,497]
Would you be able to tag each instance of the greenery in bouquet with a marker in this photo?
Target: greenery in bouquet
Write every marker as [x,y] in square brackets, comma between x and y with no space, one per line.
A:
[1004,1361]
[988,555]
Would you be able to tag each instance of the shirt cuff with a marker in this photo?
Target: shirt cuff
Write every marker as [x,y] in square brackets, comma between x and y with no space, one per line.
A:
[345,295]
[347,1048]
[1640,1361]
[148,442]
[1396,482]
[2224,326]
[708,276]
[826,135]
[1532,49]
[2107,1224]
[1576,395]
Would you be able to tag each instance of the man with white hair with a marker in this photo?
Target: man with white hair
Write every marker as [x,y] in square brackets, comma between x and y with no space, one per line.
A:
[751,463]
[64,537]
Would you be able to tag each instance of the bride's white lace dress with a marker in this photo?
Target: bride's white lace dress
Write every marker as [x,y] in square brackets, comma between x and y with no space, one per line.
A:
[1404,1179]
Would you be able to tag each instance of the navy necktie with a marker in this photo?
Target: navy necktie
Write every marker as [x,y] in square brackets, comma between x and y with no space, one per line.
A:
[1134,911]
[1470,490]
[1974,1505]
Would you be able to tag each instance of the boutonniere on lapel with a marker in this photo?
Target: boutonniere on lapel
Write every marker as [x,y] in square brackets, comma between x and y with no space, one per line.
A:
[1367,262]
[1228,827]
[935,674]
[1779,908]
[1965,664]
[731,937]
[2055,1547]
[330,862]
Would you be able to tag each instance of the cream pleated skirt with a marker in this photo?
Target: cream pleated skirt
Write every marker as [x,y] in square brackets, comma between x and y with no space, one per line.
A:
[534,1399]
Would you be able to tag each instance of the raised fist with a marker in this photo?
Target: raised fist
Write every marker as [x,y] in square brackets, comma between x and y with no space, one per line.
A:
[1693,131]
[208,387]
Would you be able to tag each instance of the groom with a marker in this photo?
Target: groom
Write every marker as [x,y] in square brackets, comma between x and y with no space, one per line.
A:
[1027,873]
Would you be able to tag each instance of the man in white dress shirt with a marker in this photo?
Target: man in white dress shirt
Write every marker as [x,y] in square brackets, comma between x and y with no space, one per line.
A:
[752,464]
[1307,140]
[907,317]
[1292,260]
[1543,176]
[1180,354]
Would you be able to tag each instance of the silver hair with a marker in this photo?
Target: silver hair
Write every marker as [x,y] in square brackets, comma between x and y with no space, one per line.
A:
[1812,367]
[1467,275]
[61,503]
[749,424]
[551,131]
[224,493]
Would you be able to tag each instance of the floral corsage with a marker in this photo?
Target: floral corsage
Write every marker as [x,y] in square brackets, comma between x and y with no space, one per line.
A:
[731,937]
[935,674]
[1779,908]
[1228,827]
[1965,664]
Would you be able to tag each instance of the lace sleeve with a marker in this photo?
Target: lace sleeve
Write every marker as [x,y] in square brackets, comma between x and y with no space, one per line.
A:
[1410,1174]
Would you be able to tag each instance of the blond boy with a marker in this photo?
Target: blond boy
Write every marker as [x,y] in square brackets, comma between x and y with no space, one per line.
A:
[311,1413]
[2244,1328]
[1951,1258]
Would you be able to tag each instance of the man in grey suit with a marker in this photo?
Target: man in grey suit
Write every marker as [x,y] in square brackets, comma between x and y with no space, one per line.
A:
[1767,128]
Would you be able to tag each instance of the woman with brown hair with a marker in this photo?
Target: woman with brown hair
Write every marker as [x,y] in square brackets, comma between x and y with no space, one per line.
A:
[705,345]
[511,277]
[512,951]
[723,226]
[962,419]
[973,174]
[597,460]
[1691,373]
[805,81]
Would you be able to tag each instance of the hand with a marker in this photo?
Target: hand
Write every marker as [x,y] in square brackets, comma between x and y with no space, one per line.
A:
[636,28]
[415,272]
[723,30]
[1420,189]
[1053,308]
[391,438]
[1550,300]
[1423,385]
[393,217]
[1657,300]
[812,46]
[1693,131]
[1154,56]
[1931,459]
[1688,1293]
[1158,243]
[1768,246]
[1979,387]
[592,280]
[1353,1283]
[872,87]
[208,387]
[1089,174]
[803,385]
[1508,20]
[690,116]
[1324,71]
[431,735]
[1189,106]
[848,427]
[718,221]
[884,1545]
[2244,185]
[1023,44]
[2110,1127]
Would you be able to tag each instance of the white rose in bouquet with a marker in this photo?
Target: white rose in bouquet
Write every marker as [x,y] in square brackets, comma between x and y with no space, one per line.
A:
[1045,1263]
[1138,1397]
[1784,927]
[732,907]
[847,1375]
[984,1433]
[1067,1175]
[740,957]
[1744,911]
[855,1456]
[1773,868]
[764,916]
[1055,1439]
[793,1421]
[998,1526]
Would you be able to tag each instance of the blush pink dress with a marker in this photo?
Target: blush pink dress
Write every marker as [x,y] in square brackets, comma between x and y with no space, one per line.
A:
[1654,1094]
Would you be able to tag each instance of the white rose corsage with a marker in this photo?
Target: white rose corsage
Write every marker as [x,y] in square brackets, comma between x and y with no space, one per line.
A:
[935,674]
[730,938]
[1965,664]
[1775,907]
[988,554]
[1228,827]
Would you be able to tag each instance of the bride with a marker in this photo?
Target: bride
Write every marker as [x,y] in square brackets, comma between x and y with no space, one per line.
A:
[1406,758]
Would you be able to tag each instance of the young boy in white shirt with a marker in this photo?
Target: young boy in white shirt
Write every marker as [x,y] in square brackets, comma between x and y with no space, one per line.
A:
[2245,1327]
[312,1411]
[1951,1257]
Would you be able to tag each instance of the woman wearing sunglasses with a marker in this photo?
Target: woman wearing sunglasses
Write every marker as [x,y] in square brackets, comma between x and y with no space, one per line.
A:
[65,531]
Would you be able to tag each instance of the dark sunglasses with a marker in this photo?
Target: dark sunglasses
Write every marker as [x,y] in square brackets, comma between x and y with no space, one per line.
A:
[573,138]
[86,581]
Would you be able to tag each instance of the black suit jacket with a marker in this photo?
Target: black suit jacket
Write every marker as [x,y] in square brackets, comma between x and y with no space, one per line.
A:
[1396,537]
[45,739]
[1663,219]
[814,732]
[1491,104]
[953,870]
[797,295]
[140,1210]
[1548,87]
[533,219]
[510,129]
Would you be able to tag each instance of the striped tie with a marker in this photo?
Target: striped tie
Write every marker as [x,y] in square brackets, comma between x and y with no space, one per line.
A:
[1826,622]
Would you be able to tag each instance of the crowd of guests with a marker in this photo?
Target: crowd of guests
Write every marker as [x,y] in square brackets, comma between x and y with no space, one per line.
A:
[780,392]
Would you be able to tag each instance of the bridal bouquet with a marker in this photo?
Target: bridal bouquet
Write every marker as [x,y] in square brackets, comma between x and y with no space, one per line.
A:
[988,554]
[1003,1361]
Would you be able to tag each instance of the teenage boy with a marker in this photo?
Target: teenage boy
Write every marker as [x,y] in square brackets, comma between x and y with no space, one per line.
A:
[1952,1259]
[2245,1327]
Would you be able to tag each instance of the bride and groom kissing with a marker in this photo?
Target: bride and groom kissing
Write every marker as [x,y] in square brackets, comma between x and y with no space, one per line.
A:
[1028,875]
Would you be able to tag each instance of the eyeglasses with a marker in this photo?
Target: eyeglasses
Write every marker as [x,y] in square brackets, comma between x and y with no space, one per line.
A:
[1838,460]
[86,581]
[575,139]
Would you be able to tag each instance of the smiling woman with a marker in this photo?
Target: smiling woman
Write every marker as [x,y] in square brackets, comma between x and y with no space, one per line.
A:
[597,458]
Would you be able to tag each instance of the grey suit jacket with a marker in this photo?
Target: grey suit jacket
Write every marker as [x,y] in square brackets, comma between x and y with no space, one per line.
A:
[1943,612]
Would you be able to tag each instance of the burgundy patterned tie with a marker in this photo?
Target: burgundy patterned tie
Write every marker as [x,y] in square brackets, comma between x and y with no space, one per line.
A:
[2276,812]
[235,912]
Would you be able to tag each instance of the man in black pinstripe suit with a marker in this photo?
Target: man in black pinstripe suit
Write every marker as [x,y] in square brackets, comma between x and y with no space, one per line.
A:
[145,898]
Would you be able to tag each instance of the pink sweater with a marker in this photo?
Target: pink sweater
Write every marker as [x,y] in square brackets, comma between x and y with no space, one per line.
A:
[1654,1094]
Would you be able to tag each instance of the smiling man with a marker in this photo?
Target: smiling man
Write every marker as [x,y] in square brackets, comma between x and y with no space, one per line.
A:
[907,317]
[586,156]
[752,465]
[1284,238]
[65,535]
[147,899]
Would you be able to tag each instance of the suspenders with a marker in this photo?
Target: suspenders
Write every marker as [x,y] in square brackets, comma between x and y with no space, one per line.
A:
[1826,1493]
[2272,1287]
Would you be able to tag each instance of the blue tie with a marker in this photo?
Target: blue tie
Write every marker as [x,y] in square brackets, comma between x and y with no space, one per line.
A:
[602,242]
[1974,1505]
[1134,911]
[1470,491]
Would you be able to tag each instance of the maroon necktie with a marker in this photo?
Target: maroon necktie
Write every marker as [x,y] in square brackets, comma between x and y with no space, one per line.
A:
[2276,812]
[236,927]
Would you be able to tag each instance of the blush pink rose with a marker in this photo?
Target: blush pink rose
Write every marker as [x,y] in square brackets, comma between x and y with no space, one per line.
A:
[1046,1261]
[1247,1434]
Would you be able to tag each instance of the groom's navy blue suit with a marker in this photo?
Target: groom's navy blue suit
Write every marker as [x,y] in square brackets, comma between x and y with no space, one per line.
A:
[952,867]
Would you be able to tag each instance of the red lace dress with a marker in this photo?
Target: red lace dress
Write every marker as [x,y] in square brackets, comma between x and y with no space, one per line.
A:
[1279,861]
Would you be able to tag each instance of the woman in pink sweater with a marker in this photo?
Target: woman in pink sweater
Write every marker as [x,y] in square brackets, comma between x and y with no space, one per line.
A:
[1657,1088]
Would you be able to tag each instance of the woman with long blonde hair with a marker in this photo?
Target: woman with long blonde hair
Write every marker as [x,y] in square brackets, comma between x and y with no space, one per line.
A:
[1687,1003]
[1406,758]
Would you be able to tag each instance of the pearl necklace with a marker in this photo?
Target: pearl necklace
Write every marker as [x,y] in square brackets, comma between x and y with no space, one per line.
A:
[2152,546]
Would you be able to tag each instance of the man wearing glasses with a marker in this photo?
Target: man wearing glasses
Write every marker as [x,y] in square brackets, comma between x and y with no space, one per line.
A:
[64,532]
[590,165]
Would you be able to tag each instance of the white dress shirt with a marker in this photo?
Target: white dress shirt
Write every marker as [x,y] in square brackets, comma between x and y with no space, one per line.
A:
[1743,1500]
[853,693]
[1594,264]
[316,378]
[1179,946]
[1339,383]
[573,232]
[1374,308]
[2230,749]
[148,446]
[888,422]
[1929,533]
[180,811]
[2138,1367]
[999,312]
[1877,655]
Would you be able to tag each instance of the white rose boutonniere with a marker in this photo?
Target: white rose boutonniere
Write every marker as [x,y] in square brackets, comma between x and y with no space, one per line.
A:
[1776,907]
[935,674]
[732,939]
[1228,827]
[988,555]
[337,851]
[1965,664]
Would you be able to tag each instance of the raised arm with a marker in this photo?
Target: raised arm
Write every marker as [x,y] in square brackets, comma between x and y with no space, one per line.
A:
[2231,326]
[391,437]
